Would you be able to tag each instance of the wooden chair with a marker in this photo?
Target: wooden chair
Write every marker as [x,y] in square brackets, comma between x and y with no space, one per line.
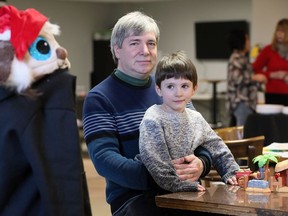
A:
[247,148]
[242,149]
[230,133]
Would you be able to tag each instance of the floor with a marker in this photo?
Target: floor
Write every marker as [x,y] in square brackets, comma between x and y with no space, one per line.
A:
[96,187]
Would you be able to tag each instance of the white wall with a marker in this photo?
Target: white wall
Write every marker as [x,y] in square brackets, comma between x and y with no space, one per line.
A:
[265,15]
[177,20]
[79,21]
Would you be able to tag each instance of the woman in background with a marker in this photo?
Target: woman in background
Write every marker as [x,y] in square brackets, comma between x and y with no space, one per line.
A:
[272,65]
[241,87]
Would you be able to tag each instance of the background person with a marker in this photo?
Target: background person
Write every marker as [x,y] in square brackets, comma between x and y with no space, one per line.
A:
[272,64]
[241,87]
[170,130]
[112,114]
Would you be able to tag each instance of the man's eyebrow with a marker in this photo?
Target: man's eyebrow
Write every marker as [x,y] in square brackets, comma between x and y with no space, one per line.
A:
[133,37]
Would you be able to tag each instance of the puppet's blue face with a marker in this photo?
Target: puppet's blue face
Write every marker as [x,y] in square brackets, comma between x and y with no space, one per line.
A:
[44,56]
[40,49]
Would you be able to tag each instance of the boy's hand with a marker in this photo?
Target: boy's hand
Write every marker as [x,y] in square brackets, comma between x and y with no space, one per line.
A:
[232,181]
[200,188]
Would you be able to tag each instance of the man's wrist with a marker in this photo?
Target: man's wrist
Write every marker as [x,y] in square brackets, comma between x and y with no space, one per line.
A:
[206,159]
[204,162]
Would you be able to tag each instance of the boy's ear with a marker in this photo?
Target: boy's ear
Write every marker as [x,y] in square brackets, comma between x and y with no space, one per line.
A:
[195,88]
[158,90]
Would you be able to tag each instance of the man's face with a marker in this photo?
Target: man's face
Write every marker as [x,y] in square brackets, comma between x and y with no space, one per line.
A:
[138,55]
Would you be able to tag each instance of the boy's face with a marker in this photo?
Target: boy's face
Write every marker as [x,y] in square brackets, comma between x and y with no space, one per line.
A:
[176,93]
[138,55]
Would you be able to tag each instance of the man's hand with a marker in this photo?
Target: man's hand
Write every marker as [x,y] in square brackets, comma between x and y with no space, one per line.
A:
[188,168]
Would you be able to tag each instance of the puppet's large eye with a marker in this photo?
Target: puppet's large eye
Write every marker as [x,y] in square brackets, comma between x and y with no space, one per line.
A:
[40,49]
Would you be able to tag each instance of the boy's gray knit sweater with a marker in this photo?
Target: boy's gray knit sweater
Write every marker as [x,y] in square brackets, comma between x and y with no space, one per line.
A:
[165,136]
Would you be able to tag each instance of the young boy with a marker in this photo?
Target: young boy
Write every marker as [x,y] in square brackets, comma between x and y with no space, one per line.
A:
[170,131]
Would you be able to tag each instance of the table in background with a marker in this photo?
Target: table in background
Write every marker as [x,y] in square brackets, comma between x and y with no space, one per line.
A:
[215,121]
[273,126]
[280,149]
[227,200]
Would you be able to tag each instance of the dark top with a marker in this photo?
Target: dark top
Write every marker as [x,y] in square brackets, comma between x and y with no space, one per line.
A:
[41,169]
[273,126]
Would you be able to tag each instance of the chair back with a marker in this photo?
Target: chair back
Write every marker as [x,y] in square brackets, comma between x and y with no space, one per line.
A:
[241,148]
[230,133]
[246,148]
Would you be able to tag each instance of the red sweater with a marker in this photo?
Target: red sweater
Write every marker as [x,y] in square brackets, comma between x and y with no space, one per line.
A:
[270,61]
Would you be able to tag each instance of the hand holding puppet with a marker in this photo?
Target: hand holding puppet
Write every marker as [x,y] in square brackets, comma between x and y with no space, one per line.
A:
[28,49]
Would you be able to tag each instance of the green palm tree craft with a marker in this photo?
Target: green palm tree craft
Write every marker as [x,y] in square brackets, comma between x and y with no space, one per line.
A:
[263,163]
[263,160]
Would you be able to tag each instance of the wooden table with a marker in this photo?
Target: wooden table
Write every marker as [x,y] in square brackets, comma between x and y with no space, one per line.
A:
[227,200]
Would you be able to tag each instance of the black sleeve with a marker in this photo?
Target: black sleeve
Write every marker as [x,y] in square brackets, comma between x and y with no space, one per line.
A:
[206,159]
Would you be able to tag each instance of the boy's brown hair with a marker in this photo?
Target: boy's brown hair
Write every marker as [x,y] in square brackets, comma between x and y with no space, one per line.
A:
[176,65]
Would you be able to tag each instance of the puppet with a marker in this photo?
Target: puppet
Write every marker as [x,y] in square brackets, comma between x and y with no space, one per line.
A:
[28,49]
[41,167]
